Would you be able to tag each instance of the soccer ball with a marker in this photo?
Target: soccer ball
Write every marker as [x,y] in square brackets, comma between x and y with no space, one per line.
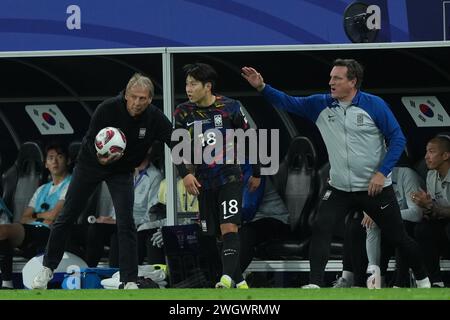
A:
[110,140]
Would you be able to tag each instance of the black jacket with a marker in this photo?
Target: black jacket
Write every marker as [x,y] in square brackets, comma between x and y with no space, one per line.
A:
[140,133]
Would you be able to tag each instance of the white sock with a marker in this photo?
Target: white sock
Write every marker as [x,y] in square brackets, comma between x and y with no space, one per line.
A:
[424,283]
[439,284]
[7,284]
[348,275]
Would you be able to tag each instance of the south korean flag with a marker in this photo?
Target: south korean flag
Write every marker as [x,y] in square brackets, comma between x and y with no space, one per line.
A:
[49,119]
[426,111]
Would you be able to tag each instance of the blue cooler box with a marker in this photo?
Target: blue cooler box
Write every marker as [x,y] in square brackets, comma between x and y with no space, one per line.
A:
[88,278]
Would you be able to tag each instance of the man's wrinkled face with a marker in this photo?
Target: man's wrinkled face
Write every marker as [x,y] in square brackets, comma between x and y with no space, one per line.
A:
[138,99]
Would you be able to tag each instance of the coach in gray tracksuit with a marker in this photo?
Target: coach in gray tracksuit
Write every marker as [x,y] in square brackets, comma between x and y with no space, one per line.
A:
[354,126]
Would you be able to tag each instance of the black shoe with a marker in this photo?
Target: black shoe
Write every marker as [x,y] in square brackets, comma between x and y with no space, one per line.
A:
[146,283]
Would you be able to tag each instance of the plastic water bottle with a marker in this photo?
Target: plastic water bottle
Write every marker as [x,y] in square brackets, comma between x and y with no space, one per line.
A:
[374,279]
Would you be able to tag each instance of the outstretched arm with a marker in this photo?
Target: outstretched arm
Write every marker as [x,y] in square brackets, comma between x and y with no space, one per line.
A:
[253,77]
[308,107]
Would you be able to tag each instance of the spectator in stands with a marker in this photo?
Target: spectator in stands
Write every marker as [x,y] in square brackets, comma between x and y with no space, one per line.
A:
[31,234]
[142,124]
[354,126]
[217,183]
[433,234]
[147,179]
[405,181]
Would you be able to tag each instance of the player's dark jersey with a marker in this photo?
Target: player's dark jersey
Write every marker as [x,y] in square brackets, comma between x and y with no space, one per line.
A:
[212,139]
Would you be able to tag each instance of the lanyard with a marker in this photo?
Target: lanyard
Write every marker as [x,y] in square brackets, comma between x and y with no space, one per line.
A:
[138,179]
[44,195]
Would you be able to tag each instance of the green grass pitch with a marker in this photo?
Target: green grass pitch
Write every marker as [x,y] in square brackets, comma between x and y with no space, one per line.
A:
[234,294]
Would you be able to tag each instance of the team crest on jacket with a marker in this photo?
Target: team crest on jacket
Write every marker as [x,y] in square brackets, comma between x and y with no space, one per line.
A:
[218,120]
[359,119]
[142,132]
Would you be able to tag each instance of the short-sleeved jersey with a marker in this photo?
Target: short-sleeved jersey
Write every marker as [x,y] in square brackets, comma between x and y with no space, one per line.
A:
[225,113]
[439,188]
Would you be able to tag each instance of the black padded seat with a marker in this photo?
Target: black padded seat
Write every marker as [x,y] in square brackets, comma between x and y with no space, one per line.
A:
[73,149]
[296,182]
[22,179]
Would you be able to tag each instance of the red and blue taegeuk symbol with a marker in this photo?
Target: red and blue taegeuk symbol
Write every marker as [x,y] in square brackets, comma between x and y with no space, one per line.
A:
[48,118]
[426,110]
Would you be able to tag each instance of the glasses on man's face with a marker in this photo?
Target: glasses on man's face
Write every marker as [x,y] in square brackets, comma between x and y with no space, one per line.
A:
[45,206]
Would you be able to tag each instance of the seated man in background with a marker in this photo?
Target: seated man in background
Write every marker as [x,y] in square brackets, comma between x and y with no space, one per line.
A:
[31,234]
[147,179]
[186,202]
[265,217]
[187,207]
[433,234]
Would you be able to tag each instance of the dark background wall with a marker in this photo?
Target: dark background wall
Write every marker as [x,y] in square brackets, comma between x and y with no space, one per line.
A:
[78,83]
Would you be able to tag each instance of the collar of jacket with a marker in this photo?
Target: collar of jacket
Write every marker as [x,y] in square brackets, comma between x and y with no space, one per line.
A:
[355,100]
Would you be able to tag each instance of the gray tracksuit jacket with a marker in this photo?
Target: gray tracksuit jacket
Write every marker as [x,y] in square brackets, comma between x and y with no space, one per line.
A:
[354,135]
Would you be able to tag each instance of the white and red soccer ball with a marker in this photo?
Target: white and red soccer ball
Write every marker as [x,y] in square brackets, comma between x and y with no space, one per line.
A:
[109,141]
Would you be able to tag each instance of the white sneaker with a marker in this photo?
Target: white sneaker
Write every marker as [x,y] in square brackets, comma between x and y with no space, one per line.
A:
[424,283]
[42,278]
[310,286]
[374,280]
[341,282]
[439,284]
[130,286]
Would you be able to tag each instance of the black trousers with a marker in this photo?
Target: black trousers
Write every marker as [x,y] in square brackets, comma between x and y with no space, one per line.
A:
[382,208]
[83,183]
[355,254]
[434,239]
[104,234]
[100,235]
[257,232]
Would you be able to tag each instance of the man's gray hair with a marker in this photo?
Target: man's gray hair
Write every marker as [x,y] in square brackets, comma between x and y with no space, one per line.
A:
[138,80]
